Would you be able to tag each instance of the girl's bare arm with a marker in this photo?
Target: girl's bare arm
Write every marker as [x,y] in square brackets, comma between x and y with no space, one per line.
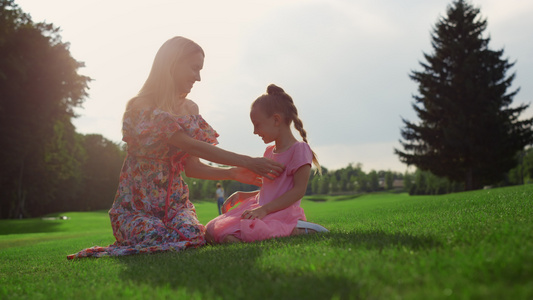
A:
[259,165]
[301,178]
[197,169]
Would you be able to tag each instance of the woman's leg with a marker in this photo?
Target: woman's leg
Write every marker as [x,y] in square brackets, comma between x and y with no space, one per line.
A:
[209,238]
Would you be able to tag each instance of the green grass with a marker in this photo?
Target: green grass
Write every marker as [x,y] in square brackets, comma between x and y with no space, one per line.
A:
[473,245]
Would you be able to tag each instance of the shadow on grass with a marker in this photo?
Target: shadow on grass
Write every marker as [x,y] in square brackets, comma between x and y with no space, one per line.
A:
[380,240]
[28,226]
[222,272]
[240,271]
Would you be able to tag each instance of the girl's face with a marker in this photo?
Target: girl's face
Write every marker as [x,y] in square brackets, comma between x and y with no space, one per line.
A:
[187,72]
[265,127]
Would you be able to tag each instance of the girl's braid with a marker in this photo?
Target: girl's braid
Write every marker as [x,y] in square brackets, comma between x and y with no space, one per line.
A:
[298,124]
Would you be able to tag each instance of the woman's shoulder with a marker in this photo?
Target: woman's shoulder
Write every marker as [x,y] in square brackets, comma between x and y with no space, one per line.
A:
[193,108]
[142,104]
[186,108]
[139,103]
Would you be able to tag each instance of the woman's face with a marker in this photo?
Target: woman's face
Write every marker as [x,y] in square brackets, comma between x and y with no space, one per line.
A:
[187,73]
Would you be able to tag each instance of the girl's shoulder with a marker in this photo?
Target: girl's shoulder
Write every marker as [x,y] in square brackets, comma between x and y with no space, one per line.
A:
[300,146]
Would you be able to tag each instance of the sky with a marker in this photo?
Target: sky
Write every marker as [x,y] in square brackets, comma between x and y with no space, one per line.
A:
[346,63]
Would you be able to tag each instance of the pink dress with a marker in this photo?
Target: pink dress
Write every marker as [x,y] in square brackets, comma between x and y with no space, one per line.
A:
[152,211]
[277,224]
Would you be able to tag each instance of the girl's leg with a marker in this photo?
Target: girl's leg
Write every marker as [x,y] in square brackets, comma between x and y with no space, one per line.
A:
[298,231]
[303,227]
[228,239]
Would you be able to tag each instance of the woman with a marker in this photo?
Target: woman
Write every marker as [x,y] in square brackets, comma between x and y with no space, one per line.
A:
[165,135]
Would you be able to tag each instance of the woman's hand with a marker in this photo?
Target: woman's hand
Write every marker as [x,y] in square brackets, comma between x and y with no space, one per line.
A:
[265,167]
[246,176]
[256,213]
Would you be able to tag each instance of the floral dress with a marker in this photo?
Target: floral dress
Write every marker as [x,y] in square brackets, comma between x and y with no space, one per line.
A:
[152,212]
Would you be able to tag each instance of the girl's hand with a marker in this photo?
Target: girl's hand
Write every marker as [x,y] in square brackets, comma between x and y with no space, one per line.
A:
[265,167]
[231,202]
[246,176]
[256,213]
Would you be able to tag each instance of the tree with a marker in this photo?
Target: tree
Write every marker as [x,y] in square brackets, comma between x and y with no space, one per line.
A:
[389,180]
[315,181]
[407,181]
[323,185]
[39,89]
[64,155]
[467,131]
[362,183]
[527,161]
[522,173]
[333,184]
[373,181]
[100,172]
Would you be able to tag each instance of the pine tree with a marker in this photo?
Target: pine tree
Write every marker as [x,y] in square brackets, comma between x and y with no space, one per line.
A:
[468,131]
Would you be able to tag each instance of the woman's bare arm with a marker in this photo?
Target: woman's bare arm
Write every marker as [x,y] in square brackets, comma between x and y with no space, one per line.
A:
[259,165]
[196,169]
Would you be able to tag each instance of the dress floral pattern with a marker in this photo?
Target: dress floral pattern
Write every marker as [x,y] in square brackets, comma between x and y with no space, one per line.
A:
[152,212]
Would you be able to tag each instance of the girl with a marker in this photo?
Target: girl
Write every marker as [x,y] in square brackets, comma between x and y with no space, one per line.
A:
[274,210]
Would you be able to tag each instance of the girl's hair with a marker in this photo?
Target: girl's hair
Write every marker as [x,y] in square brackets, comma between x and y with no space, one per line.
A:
[159,89]
[277,101]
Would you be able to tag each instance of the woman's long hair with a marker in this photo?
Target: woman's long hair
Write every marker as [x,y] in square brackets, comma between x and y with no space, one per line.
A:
[159,89]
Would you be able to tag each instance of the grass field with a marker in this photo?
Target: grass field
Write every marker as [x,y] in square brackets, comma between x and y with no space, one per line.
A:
[473,245]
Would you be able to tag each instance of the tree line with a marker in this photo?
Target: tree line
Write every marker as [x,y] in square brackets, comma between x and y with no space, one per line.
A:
[45,165]
[349,180]
[427,183]
[353,180]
